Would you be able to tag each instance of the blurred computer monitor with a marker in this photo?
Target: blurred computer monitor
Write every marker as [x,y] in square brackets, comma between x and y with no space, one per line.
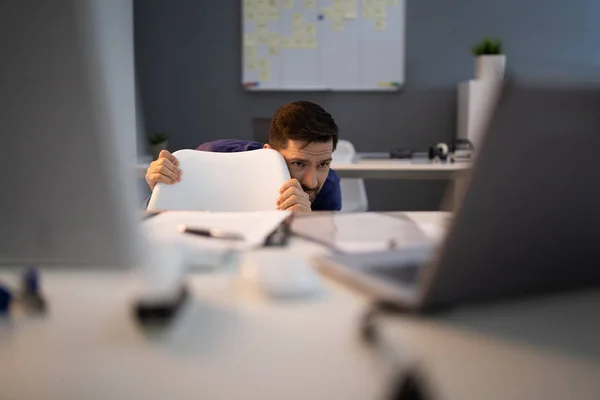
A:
[67,147]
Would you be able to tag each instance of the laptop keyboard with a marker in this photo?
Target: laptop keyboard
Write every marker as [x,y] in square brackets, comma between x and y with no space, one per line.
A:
[406,275]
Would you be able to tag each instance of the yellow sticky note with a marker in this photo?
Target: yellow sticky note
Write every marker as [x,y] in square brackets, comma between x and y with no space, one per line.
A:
[274,49]
[272,3]
[393,3]
[336,15]
[264,72]
[297,17]
[288,3]
[249,53]
[260,16]
[310,4]
[249,40]
[325,11]
[337,3]
[367,12]
[298,43]
[379,12]
[262,63]
[261,3]
[311,43]
[288,43]
[311,29]
[337,26]
[380,24]
[350,14]
[250,63]
[263,38]
[298,30]
[261,29]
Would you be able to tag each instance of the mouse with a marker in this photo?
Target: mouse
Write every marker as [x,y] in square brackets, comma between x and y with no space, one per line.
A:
[282,274]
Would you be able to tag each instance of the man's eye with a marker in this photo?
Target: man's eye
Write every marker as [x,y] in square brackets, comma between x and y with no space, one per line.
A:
[324,165]
[298,164]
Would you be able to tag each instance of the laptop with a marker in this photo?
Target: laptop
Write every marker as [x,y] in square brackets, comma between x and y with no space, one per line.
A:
[529,223]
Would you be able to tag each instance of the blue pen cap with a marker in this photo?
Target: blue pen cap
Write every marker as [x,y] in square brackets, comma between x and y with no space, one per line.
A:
[5,299]
[31,280]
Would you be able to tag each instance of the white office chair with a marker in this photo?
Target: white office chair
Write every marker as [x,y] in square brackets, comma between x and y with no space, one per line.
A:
[354,194]
[226,182]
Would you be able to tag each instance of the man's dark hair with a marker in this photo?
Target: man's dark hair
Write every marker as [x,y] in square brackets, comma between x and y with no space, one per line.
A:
[303,121]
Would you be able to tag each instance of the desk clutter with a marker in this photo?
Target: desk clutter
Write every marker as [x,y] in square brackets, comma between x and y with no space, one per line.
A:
[28,297]
[460,150]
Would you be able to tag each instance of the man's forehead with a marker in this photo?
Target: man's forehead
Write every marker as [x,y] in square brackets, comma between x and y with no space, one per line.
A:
[296,148]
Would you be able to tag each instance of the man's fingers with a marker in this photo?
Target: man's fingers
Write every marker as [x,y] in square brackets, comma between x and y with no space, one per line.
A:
[290,183]
[291,191]
[157,177]
[164,171]
[166,155]
[295,199]
[295,203]
[169,165]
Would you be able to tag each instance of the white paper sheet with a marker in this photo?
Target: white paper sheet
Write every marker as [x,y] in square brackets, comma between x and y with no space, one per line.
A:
[254,226]
[363,232]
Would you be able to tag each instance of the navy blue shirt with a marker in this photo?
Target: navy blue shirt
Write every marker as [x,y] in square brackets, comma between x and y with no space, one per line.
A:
[329,197]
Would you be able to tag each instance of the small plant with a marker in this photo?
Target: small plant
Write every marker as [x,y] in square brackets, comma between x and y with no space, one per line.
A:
[157,137]
[487,47]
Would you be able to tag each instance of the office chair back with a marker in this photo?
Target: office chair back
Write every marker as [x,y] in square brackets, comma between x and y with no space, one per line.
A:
[354,194]
[225,182]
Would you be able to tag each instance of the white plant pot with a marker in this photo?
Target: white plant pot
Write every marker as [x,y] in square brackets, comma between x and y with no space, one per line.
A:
[490,67]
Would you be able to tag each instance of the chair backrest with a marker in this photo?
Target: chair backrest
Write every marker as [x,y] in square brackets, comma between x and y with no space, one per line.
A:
[226,182]
[344,152]
[354,194]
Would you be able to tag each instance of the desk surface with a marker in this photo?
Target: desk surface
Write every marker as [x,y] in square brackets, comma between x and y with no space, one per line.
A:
[401,169]
[390,169]
[231,342]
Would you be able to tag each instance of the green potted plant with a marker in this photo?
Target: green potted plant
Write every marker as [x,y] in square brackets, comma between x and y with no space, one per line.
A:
[490,59]
[158,143]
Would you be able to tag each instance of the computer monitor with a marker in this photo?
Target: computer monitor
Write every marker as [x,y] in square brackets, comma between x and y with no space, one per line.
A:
[67,112]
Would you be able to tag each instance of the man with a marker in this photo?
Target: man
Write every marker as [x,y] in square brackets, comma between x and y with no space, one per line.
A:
[305,135]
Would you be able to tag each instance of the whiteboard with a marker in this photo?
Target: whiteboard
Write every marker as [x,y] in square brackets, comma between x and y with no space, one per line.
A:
[323,44]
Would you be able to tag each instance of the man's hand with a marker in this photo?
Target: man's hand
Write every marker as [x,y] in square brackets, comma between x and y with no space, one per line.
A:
[292,197]
[165,169]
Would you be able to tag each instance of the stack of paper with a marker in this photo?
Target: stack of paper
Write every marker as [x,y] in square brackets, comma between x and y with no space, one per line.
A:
[254,227]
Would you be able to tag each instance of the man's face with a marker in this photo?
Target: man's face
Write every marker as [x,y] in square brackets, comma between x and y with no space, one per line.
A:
[308,164]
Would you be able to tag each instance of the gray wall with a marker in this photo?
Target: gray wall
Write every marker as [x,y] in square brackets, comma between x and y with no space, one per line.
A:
[188,64]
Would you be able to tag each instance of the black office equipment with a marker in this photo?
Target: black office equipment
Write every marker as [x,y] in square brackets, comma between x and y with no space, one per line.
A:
[526,226]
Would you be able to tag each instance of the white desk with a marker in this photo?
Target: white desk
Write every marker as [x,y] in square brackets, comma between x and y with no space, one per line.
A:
[233,343]
[456,173]
[401,169]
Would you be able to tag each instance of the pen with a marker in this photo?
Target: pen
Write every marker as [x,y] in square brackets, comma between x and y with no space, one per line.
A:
[211,232]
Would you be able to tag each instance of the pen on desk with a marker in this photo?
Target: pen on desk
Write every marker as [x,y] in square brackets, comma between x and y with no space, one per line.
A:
[211,232]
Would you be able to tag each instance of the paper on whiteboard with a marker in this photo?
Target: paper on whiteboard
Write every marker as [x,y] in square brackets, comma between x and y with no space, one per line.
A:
[380,24]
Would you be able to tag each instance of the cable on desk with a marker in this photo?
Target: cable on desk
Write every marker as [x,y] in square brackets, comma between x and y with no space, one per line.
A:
[409,384]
